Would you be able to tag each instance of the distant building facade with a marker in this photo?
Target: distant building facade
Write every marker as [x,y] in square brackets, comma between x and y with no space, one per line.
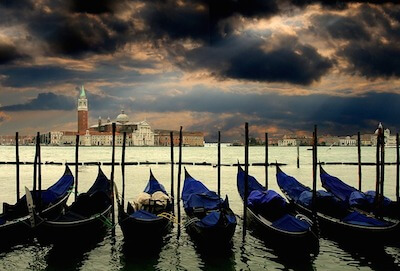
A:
[193,139]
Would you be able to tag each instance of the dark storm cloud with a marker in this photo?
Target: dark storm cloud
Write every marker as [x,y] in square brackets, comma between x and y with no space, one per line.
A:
[244,58]
[334,115]
[94,6]
[9,53]
[44,101]
[341,27]
[372,39]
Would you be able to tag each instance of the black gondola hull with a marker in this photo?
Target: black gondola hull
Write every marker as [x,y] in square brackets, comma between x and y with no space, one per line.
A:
[219,235]
[305,242]
[73,232]
[141,230]
[20,230]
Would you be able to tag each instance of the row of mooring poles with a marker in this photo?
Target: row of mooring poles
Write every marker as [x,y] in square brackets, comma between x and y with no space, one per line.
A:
[112,179]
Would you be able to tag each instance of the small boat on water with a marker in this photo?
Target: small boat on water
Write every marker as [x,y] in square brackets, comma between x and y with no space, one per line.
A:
[14,221]
[85,220]
[334,216]
[149,218]
[354,198]
[271,215]
[209,221]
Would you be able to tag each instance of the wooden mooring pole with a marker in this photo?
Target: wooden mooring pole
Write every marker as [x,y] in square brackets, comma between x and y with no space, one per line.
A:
[112,179]
[314,172]
[298,153]
[382,170]
[219,164]
[359,160]
[266,161]
[397,169]
[17,163]
[171,136]
[246,178]
[39,204]
[179,181]
[123,170]
[76,164]
[378,143]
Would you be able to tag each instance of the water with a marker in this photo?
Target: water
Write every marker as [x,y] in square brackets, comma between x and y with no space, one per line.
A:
[182,254]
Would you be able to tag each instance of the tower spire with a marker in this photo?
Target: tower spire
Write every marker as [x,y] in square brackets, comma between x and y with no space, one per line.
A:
[83,93]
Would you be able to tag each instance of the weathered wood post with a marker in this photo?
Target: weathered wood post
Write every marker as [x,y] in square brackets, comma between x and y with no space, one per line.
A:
[266,161]
[112,179]
[397,169]
[382,169]
[171,136]
[359,160]
[39,204]
[76,164]
[179,180]
[123,170]
[378,145]
[298,153]
[246,178]
[314,172]
[17,163]
[219,164]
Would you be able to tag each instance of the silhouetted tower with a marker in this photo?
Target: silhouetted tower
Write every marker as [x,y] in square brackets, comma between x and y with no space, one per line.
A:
[82,112]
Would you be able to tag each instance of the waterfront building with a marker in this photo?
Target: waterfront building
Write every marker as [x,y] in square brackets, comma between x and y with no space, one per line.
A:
[192,139]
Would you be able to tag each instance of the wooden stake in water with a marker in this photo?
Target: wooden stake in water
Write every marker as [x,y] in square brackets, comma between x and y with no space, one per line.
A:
[266,161]
[171,136]
[123,170]
[314,172]
[382,169]
[39,204]
[219,164]
[112,178]
[359,160]
[378,143]
[179,179]
[35,167]
[76,164]
[17,163]
[397,169]
[298,153]
[246,177]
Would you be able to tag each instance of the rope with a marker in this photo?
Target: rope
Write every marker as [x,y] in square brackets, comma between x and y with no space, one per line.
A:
[106,221]
[169,217]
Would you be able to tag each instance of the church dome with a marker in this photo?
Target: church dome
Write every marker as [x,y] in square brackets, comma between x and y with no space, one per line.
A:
[122,118]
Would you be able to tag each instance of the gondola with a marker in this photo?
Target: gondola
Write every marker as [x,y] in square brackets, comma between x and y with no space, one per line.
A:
[85,220]
[149,218]
[209,220]
[14,221]
[334,217]
[357,199]
[269,213]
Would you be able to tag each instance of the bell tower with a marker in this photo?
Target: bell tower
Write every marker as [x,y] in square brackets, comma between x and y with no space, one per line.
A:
[82,112]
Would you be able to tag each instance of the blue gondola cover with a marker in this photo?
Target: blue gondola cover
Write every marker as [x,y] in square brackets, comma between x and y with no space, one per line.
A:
[210,220]
[208,200]
[290,223]
[370,195]
[363,220]
[253,184]
[142,214]
[153,186]
[291,186]
[264,199]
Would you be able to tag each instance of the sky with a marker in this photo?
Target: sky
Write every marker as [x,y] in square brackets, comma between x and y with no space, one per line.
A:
[281,65]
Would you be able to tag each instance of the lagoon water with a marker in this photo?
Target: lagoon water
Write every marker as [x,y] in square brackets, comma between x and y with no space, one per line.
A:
[182,254]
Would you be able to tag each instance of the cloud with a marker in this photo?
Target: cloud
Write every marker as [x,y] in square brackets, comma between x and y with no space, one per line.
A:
[371,36]
[284,59]
[44,101]
[9,53]
[4,117]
